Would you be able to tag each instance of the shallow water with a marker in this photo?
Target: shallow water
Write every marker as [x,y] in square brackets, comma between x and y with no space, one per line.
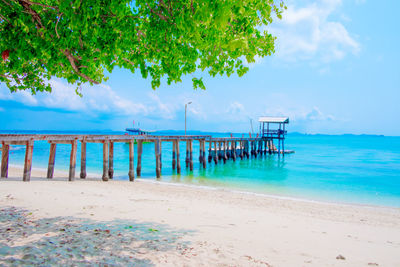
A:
[346,168]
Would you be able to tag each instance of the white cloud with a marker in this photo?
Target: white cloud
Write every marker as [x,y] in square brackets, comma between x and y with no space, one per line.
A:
[300,114]
[99,99]
[309,33]
[235,108]
[166,111]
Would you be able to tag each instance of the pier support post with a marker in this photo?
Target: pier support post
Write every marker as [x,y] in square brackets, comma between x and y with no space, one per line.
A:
[191,155]
[160,152]
[224,144]
[83,159]
[52,158]
[204,154]
[240,149]
[139,159]
[209,152]
[157,153]
[178,162]
[72,160]
[105,160]
[279,147]
[187,154]
[247,149]
[28,161]
[131,172]
[219,151]
[201,152]
[4,160]
[173,154]
[111,161]
[234,151]
[215,153]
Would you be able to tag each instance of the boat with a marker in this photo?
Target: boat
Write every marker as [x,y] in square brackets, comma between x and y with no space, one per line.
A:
[137,131]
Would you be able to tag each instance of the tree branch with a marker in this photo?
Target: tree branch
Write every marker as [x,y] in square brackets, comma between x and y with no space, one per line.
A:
[59,17]
[72,61]
[4,19]
[39,4]
[32,12]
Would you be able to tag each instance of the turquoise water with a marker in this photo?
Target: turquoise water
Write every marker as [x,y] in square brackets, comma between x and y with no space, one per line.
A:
[345,168]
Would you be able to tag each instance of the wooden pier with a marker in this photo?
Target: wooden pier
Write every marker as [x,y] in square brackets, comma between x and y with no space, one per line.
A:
[219,150]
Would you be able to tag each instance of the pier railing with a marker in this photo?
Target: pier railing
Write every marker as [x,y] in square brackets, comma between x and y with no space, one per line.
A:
[219,149]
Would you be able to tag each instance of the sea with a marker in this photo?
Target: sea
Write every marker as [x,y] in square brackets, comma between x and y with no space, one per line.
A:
[354,169]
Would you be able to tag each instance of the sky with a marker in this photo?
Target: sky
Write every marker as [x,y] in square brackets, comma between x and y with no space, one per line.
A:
[335,71]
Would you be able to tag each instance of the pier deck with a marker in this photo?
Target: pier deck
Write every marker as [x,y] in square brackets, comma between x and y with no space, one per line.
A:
[219,149]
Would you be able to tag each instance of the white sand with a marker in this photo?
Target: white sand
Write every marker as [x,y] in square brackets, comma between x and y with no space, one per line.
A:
[216,227]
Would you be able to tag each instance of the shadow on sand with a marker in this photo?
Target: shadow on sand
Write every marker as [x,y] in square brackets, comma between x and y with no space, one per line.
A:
[25,240]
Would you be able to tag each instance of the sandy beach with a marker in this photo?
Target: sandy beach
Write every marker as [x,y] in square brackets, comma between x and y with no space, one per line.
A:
[150,223]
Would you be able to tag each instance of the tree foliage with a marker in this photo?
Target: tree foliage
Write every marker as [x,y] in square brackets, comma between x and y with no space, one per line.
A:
[78,40]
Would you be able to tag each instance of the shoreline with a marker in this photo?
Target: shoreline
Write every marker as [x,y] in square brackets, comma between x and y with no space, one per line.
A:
[39,174]
[188,225]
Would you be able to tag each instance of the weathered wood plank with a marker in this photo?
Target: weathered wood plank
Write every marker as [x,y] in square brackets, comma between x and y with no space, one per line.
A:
[131,172]
[191,155]
[4,160]
[83,159]
[209,152]
[204,154]
[111,161]
[52,158]
[28,161]
[157,154]
[187,154]
[139,160]
[215,153]
[105,161]
[178,161]
[72,163]
[200,152]
[173,155]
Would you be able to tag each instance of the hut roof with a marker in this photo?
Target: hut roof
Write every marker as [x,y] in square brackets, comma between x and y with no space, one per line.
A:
[274,119]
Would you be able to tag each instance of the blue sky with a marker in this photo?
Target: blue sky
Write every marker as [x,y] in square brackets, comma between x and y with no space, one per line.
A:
[336,70]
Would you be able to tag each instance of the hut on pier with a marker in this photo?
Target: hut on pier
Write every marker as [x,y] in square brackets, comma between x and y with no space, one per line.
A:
[274,128]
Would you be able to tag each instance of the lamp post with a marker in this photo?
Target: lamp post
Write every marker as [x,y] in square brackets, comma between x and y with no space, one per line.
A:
[188,103]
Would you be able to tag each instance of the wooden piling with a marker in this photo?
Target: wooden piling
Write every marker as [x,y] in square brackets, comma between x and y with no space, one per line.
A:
[28,161]
[111,161]
[139,159]
[178,162]
[173,154]
[131,172]
[215,153]
[233,144]
[83,158]
[209,152]
[224,157]
[160,152]
[241,148]
[247,149]
[204,154]
[157,154]
[105,160]
[200,152]
[187,154]
[4,160]
[52,157]
[72,160]
[191,155]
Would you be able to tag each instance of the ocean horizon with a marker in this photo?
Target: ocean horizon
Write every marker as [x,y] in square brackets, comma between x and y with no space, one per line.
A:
[354,169]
